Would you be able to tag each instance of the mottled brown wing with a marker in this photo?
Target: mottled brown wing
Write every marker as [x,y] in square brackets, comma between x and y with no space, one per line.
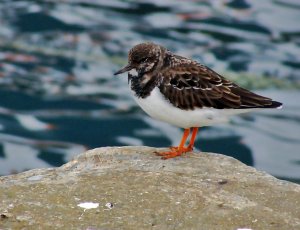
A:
[189,86]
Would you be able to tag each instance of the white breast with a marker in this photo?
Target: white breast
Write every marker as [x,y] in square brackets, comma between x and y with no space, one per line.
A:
[159,108]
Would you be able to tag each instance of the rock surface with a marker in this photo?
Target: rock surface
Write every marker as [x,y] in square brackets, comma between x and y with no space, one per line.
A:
[131,188]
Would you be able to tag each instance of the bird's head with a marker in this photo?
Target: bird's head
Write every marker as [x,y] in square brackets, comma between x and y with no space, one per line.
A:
[143,58]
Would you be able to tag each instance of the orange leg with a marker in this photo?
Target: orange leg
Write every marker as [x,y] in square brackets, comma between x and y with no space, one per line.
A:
[177,151]
[193,138]
[185,135]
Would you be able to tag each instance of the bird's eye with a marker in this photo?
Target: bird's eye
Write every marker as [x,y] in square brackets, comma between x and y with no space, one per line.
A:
[143,60]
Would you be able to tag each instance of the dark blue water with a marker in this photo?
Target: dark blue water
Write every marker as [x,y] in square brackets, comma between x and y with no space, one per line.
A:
[58,95]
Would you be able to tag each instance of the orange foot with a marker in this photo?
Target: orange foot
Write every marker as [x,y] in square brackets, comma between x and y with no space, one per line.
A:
[175,152]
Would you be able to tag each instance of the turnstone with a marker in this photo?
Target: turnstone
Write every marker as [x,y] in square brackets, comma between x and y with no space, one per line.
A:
[185,93]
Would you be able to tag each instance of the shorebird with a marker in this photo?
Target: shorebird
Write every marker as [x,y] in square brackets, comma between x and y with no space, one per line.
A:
[185,93]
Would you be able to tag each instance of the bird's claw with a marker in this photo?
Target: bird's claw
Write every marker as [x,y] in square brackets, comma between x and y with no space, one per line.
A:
[175,152]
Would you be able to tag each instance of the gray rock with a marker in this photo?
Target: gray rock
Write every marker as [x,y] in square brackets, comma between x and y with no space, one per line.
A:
[131,188]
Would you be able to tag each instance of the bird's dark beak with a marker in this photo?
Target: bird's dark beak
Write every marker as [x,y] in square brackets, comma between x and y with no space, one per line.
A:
[124,69]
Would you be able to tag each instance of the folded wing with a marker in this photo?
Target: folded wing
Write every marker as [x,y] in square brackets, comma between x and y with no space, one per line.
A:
[189,86]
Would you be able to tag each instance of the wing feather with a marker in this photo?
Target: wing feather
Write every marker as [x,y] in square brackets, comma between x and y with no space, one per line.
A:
[190,85]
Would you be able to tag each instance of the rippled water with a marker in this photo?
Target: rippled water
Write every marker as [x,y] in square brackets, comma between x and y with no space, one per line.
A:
[58,95]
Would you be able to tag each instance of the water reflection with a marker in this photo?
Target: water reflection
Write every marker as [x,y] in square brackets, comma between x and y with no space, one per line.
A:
[58,96]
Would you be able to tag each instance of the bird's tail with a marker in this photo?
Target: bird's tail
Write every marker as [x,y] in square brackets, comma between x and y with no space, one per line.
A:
[274,105]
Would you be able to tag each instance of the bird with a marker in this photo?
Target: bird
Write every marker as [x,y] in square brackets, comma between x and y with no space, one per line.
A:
[185,93]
